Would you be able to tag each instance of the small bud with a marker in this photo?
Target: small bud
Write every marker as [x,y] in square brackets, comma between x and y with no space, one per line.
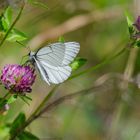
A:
[137,23]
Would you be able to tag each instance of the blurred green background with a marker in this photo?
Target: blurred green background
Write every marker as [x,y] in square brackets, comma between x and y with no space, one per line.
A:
[110,112]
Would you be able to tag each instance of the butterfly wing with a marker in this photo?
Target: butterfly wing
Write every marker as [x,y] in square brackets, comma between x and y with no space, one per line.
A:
[71,50]
[57,74]
[59,54]
[41,70]
[54,61]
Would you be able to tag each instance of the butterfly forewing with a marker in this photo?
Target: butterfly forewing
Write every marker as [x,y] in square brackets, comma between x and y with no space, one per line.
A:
[52,54]
[53,61]
[71,50]
[59,54]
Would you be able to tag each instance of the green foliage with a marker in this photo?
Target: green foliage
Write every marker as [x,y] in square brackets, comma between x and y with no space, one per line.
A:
[77,63]
[6,22]
[4,131]
[7,18]
[107,3]
[17,123]
[130,23]
[25,98]
[61,39]
[27,136]
[138,43]
[2,102]
[12,99]
[38,3]
[105,39]
[129,19]
[16,35]
[134,34]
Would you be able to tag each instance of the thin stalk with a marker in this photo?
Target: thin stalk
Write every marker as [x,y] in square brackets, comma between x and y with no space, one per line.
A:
[104,62]
[44,101]
[29,120]
[13,24]
[3,99]
[88,70]
[49,107]
[128,73]
[5,95]
[40,109]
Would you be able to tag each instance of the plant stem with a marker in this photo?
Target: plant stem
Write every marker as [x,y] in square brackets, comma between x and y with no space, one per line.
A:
[40,110]
[104,62]
[51,105]
[44,102]
[128,73]
[5,95]
[29,120]
[13,24]
[3,99]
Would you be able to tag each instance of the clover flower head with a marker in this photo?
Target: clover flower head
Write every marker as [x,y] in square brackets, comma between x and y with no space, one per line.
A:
[17,78]
[137,23]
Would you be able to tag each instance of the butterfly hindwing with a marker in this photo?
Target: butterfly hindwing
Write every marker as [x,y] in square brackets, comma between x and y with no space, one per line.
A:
[42,72]
[56,74]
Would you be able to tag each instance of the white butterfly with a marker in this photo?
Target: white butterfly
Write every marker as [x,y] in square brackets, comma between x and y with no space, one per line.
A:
[52,61]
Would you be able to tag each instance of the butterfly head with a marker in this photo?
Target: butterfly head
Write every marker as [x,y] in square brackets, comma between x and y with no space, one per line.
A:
[31,55]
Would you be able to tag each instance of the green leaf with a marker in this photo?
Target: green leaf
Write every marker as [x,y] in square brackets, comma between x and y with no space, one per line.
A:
[4,131]
[130,23]
[129,19]
[8,15]
[27,136]
[16,35]
[7,18]
[12,99]
[2,34]
[4,24]
[77,63]
[2,102]
[138,43]
[1,25]
[17,123]
[37,3]
[25,98]
[61,39]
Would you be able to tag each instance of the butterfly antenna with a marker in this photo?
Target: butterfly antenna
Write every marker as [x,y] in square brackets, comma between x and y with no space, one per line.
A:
[27,47]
